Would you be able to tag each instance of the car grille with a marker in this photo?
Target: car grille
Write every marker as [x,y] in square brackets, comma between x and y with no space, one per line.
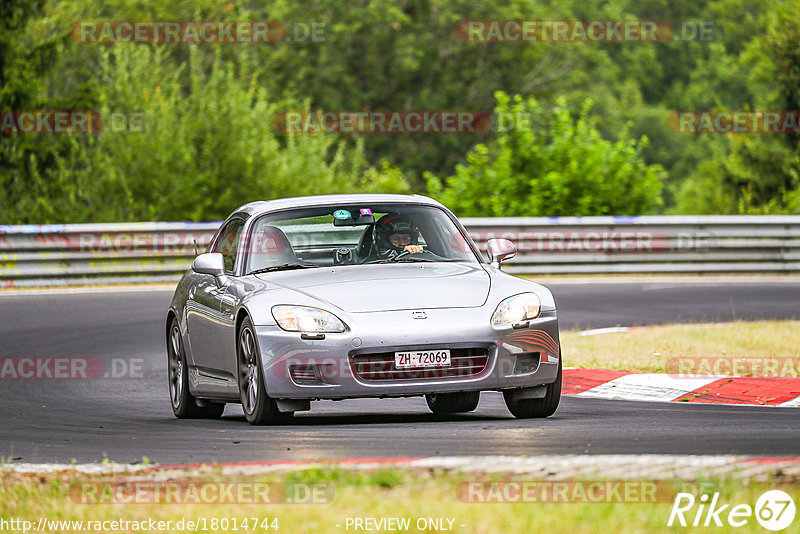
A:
[379,366]
[304,375]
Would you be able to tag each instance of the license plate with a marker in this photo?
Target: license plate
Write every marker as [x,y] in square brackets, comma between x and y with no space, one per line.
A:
[422,358]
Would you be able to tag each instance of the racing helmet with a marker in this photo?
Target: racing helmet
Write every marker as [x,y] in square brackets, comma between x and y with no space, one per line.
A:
[393,224]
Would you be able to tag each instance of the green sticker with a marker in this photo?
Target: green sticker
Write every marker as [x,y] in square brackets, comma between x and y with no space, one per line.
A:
[342,214]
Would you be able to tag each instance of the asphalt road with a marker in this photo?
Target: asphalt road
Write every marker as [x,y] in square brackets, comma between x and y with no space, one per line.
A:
[127,418]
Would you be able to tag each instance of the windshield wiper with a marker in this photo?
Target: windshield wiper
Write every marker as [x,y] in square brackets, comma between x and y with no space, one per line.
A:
[407,259]
[284,267]
[414,259]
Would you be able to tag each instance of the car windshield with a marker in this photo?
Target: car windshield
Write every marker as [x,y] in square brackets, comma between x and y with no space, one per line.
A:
[362,234]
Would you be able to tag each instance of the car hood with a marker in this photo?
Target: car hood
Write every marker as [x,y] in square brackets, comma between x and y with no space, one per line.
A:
[402,286]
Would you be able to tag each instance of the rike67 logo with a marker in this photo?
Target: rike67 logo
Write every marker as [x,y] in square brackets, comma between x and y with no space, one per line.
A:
[774,510]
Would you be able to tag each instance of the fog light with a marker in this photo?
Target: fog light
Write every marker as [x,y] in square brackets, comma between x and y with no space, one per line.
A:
[527,362]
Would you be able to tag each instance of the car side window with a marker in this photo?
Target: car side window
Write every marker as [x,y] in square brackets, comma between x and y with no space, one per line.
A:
[228,243]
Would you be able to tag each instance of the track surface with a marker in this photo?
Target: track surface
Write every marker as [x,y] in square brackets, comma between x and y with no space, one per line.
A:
[128,418]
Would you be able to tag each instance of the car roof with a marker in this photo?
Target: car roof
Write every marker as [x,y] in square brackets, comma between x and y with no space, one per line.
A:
[265,206]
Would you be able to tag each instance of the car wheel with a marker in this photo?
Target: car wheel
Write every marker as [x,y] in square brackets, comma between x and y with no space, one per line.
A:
[259,408]
[184,405]
[444,403]
[530,408]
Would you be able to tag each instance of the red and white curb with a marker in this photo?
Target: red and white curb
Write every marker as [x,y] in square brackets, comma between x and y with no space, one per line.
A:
[550,467]
[608,384]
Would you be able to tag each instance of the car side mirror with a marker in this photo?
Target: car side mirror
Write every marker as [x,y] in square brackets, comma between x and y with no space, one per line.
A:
[500,250]
[211,263]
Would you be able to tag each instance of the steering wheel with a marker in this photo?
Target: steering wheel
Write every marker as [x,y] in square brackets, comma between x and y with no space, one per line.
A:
[427,254]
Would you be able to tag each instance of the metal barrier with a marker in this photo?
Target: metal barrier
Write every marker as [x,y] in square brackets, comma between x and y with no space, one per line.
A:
[51,255]
[647,244]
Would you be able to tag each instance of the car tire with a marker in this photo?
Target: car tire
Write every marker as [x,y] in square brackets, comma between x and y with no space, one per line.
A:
[536,408]
[258,407]
[445,403]
[184,404]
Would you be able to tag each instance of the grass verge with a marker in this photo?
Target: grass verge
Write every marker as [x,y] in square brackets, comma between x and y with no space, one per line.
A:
[381,493]
[649,349]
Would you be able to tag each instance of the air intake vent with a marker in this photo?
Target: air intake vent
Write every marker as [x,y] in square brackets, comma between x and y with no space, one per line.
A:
[304,375]
[379,366]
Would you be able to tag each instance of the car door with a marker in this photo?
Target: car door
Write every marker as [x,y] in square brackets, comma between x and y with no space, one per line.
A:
[238,288]
[234,293]
[205,319]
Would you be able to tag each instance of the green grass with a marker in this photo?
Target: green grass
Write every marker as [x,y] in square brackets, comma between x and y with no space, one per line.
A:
[650,349]
[376,493]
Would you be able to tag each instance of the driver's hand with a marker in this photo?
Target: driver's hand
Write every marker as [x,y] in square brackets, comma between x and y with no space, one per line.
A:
[413,249]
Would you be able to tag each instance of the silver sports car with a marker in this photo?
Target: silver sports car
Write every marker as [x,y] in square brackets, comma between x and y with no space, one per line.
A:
[348,296]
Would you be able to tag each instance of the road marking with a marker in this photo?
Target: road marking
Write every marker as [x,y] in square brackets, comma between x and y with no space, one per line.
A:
[647,387]
[547,467]
[752,391]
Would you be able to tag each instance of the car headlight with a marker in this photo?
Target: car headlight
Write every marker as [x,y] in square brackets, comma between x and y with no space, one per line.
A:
[304,319]
[517,309]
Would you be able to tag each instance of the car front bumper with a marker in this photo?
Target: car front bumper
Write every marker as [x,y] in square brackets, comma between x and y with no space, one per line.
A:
[298,368]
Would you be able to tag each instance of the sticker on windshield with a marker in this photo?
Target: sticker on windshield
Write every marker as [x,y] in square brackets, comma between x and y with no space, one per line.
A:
[365,211]
[342,214]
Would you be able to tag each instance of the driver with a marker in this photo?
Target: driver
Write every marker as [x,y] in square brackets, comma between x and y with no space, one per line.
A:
[394,235]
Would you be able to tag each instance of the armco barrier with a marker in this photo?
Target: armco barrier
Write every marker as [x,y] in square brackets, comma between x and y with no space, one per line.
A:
[46,255]
[647,244]
[69,254]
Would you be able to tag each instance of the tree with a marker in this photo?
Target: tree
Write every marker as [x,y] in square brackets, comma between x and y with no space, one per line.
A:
[208,144]
[25,58]
[757,172]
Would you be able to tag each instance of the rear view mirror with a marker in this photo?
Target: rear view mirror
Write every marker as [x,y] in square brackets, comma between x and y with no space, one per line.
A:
[211,263]
[353,217]
[500,250]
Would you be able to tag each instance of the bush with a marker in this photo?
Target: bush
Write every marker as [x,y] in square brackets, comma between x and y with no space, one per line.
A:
[208,145]
[550,164]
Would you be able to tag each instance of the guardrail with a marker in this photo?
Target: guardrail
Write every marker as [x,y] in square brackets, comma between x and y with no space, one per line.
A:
[50,255]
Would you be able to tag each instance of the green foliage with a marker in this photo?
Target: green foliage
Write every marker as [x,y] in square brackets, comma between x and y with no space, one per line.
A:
[24,62]
[208,145]
[552,164]
[757,173]
[405,55]
[209,142]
